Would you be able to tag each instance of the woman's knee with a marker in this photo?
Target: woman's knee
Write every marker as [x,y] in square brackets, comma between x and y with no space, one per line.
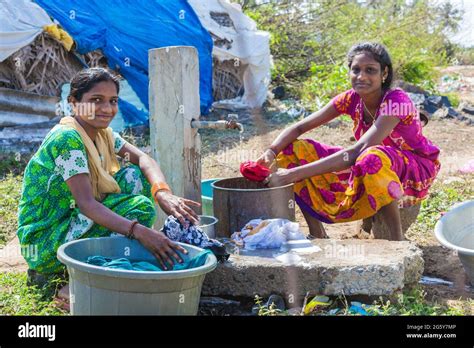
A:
[375,149]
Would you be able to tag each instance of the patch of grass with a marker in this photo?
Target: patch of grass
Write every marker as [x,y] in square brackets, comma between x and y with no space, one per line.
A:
[441,198]
[16,298]
[10,192]
[346,118]
[414,302]
[267,311]
[453,98]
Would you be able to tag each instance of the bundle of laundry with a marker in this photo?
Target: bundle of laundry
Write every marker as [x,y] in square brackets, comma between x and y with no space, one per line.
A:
[254,171]
[192,234]
[267,234]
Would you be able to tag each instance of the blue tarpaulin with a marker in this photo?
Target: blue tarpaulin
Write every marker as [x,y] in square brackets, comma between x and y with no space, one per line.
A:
[125,30]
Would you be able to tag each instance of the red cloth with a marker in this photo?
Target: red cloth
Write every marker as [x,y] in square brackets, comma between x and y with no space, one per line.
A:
[254,171]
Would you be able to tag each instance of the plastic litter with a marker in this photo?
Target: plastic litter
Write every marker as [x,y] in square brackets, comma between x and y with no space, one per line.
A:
[317,301]
[356,308]
[434,281]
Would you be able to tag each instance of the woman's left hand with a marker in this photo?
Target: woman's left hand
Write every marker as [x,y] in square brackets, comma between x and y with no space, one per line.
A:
[178,207]
[281,177]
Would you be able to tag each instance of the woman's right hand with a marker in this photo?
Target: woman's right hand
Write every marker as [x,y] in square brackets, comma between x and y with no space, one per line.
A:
[164,249]
[267,158]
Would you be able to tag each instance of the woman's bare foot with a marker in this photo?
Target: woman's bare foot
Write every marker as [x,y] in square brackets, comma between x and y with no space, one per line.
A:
[62,298]
[316,228]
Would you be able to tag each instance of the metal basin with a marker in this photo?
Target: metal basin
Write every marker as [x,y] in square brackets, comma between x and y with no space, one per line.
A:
[238,200]
[207,224]
[455,230]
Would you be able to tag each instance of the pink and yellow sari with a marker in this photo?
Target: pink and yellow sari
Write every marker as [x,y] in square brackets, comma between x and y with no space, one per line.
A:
[401,168]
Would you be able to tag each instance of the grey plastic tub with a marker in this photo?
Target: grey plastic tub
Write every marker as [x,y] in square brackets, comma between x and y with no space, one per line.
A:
[96,290]
[455,230]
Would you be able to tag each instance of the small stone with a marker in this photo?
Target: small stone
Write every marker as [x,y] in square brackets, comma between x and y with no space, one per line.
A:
[279,92]
[295,311]
[435,100]
[440,113]
[453,113]
[466,108]
[334,123]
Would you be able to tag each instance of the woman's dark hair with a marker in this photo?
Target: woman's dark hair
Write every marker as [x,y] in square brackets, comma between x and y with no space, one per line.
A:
[85,79]
[379,53]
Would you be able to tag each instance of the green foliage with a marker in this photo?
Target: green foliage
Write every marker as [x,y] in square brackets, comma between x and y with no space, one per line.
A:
[420,72]
[453,98]
[10,192]
[12,163]
[264,310]
[326,81]
[442,197]
[412,302]
[310,40]
[16,298]
[464,56]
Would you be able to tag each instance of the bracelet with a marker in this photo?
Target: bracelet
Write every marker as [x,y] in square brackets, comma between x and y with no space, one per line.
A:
[130,234]
[273,152]
[157,187]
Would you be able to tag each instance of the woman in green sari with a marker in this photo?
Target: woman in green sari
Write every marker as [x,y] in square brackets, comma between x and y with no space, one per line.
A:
[74,187]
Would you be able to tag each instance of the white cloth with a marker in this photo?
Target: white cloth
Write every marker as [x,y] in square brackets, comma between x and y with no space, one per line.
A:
[272,233]
[20,22]
[249,46]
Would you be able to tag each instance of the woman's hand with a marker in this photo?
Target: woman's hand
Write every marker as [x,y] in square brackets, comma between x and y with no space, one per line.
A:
[267,158]
[281,177]
[160,246]
[177,206]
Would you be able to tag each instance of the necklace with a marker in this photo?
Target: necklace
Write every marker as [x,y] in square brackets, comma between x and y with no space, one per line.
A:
[367,109]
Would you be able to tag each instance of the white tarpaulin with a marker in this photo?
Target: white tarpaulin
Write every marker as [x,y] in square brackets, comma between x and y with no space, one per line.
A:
[20,22]
[247,45]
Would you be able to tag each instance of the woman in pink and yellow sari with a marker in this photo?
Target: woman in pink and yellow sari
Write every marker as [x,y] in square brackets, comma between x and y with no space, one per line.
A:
[392,163]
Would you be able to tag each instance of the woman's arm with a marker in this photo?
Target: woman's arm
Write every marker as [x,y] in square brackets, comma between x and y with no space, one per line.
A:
[290,134]
[169,203]
[156,242]
[340,160]
[150,169]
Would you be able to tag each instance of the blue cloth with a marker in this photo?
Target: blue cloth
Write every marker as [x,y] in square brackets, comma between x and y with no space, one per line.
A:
[124,263]
[126,30]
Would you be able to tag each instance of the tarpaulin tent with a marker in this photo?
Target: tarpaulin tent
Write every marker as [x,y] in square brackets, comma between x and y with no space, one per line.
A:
[21,21]
[126,30]
[240,42]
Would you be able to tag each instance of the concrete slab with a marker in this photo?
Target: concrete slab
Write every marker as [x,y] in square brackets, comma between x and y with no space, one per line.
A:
[349,267]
